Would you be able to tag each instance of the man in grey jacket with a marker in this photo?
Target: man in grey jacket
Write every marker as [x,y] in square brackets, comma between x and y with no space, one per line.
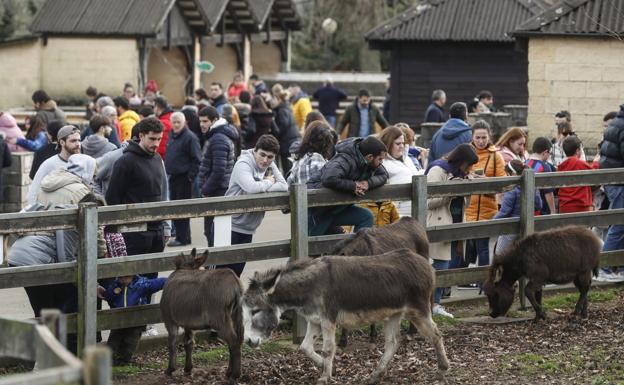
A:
[255,172]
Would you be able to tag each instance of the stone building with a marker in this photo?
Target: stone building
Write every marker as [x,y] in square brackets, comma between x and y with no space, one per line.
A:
[576,63]
[77,43]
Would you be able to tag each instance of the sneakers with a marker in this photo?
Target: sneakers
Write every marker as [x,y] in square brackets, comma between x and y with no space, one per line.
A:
[604,276]
[439,310]
[150,331]
[469,286]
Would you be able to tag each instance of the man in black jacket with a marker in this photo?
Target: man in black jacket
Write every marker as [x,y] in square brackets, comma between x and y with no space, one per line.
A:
[356,168]
[435,111]
[182,164]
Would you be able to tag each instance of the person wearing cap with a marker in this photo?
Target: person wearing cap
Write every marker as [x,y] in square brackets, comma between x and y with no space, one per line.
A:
[69,144]
[49,150]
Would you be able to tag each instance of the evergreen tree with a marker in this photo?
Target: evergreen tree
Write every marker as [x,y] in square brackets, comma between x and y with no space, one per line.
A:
[7,21]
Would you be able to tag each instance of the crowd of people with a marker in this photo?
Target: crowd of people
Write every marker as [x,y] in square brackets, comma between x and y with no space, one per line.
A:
[249,139]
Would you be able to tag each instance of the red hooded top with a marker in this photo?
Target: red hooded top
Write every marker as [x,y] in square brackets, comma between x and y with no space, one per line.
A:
[574,199]
[165,118]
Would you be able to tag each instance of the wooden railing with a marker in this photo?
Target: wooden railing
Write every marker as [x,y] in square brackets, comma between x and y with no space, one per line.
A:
[87,269]
[43,344]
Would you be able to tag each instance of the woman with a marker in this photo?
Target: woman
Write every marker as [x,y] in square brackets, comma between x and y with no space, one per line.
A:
[512,145]
[11,131]
[260,123]
[237,86]
[511,205]
[202,98]
[399,167]
[36,136]
[557,156]
[288,131]
[316,148]
[483,207]
[455,165]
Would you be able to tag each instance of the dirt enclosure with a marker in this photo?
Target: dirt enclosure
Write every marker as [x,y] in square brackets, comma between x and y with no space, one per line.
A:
[557,351]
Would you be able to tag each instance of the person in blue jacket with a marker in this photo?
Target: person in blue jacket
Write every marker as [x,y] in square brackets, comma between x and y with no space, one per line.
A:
[454,132]
[130,290]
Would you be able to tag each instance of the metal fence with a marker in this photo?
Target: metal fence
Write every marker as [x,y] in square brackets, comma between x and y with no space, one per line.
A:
[87,269]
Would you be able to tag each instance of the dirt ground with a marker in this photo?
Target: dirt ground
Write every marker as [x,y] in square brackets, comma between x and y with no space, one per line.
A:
[556,351]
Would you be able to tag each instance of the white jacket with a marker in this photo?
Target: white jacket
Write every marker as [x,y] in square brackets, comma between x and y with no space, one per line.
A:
[401,172]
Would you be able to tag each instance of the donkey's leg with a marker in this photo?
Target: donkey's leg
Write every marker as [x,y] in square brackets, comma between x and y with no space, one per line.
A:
[230,337]
[307,346]
[344,335]
[391,331]
[429,330]
[372,335]
[582,283]
[188,350]
[530,290]
[172,342]
[329,349]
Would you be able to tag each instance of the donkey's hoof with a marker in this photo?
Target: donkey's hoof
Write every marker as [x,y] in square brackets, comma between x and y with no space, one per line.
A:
[187,371]
[322,381]
[169,371]
[373,380]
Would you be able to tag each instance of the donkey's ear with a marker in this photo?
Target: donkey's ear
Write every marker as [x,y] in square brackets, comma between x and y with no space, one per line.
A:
[193,253]
[179,261]
[198,261]
[269,283]
[498,274]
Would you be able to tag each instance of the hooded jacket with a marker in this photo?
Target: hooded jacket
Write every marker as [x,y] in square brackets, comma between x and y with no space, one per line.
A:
[183,154]
[96,146]
[135,293]
[453,133]
[220,151]
[11,131]
[68,186]
[248,178]
[165,119]
[349,166]
[127,120]
[612,147]
[574,199]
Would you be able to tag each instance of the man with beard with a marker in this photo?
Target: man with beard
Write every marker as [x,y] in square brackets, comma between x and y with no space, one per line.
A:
[97,144]
[69,143]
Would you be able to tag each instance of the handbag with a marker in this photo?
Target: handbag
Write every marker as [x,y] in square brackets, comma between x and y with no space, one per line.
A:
[115,245]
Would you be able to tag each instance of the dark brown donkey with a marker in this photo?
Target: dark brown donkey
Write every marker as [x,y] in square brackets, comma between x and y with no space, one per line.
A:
[196,299]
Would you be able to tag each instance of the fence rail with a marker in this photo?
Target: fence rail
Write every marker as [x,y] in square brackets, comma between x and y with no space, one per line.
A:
[87,269]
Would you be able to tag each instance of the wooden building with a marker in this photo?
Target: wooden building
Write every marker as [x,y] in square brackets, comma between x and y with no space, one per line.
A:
[460,46]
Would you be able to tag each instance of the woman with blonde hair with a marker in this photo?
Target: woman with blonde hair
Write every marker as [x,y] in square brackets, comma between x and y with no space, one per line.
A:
[512,145]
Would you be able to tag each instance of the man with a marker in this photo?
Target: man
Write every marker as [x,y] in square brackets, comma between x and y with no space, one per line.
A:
[101,105]
[255,172]
[329,98]
[301,105]
[453,133]
[163,111]
[46,108]
[69,143]
[127,117]
[435,111]
[217,97]
[386,103]
[486,101]
[356,168]
[257,86]
[220,152]
[182,163]
[97,144]
[361,117]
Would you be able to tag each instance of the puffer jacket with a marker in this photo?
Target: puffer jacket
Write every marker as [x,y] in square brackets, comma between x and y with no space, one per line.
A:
[384,213]
[220,152]
[612,147]
[484,206]
[136,293]
[127,120]
[11,132]
[287,127]
[301,108]
[349,166]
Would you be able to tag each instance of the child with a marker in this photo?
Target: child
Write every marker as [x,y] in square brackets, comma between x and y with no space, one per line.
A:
[574,199]
[510,207]
[130,290]
[384,213]
[538,161]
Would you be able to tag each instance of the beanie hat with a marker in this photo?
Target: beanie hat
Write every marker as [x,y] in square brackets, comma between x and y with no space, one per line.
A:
[151,86]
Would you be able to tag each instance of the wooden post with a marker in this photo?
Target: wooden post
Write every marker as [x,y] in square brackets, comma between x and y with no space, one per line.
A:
[419,199]
[298,242]
[527,218]
[97,366]
[86,281]
[56,322]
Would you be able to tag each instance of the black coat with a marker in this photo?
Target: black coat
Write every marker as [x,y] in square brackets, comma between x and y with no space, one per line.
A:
[288,131]
[612,147]
[183,154]
[260,123]
[220,153]
[5,161]
[349,166]
[45,152]
[434,114]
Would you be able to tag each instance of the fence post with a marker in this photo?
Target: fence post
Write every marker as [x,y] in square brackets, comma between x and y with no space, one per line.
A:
[527,218]
[54,320]
[97,366]
[298,242]
[419,199]
[86,281]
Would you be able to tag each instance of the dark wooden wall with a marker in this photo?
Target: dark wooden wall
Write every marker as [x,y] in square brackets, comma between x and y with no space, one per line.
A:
[460,69]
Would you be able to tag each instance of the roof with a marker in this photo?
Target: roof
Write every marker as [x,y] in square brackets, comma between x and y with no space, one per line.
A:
[457,20]
[577,17]
[96,17]
[261,9]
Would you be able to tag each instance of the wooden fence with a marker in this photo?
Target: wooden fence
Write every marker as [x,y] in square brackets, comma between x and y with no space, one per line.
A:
[44,345]
[87,269]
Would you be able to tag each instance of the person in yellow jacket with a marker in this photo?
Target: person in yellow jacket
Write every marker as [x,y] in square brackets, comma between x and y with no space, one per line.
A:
[384,213]
[483,207]
[127,118]
[301,105]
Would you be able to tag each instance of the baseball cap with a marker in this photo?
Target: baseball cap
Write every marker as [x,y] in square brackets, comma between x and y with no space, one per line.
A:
[65,131]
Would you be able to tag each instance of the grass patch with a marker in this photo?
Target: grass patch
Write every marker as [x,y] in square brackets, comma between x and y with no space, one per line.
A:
[568,301]
[446,321]
[126,370]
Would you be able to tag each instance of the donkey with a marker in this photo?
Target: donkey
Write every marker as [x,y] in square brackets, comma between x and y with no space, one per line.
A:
[197,299]
[569,254]
[406,232]
[347,291]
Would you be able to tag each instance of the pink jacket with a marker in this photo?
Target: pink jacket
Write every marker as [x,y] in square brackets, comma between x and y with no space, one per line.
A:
[11,131]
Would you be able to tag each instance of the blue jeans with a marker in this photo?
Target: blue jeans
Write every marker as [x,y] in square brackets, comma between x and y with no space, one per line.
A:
[615,235]
[325,218]
[439,264]
[483,250]
[331,119]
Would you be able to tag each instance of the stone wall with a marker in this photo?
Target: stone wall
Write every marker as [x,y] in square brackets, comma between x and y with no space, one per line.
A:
[582,75]
[16,182]
[19,72]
